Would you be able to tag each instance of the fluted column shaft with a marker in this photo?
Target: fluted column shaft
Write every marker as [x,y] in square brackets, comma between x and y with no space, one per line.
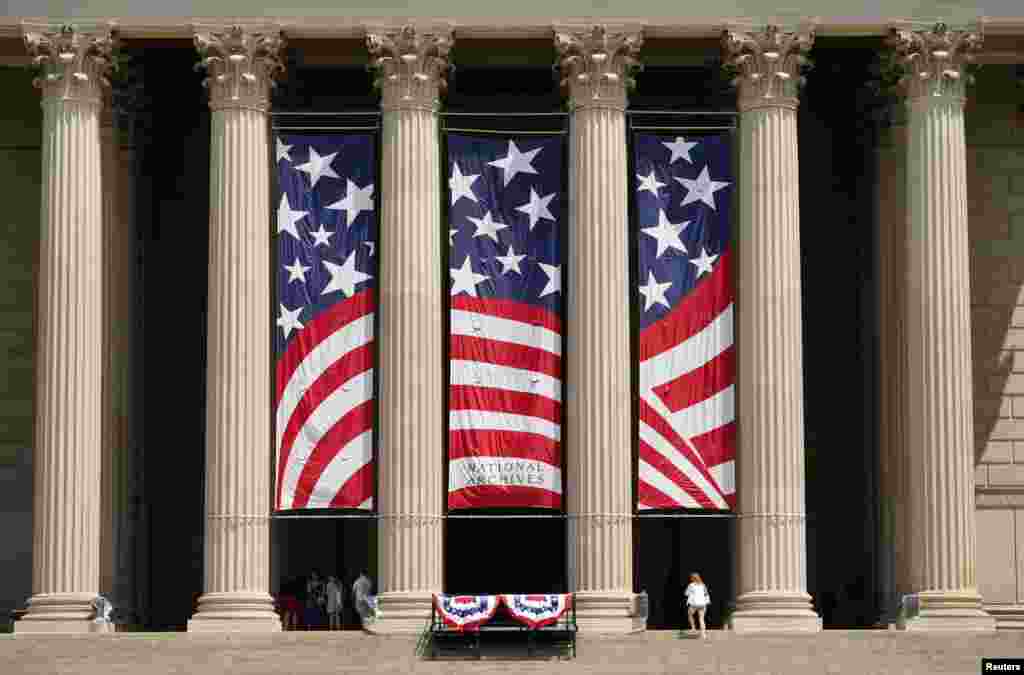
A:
[596,67]
[772,546]
[411,67]
[69,306]
[237,552]
[940,422]
[599,494]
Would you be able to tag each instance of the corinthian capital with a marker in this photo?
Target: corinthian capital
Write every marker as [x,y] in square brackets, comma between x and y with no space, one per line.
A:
[240,64]
[74,62]
[411,66]
[768,65]
[597,66]
[934,62]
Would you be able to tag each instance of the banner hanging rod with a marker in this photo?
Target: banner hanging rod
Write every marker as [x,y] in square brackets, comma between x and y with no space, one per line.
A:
[288,128]
[685,113]
[558,132]
[705,128]
[316,113]
[462,113]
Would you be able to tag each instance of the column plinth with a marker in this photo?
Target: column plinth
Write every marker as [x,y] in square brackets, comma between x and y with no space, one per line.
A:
[411,66]
[596,67]
[772,543]
[67,463]
[236,573]
[939,399]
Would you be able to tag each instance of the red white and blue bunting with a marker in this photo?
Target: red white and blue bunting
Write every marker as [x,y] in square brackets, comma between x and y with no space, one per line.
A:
[466,612]
[537,610]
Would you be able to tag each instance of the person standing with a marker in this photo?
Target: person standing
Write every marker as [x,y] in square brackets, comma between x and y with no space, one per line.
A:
[315,601]
[365,604]
[697,600]
[335,603]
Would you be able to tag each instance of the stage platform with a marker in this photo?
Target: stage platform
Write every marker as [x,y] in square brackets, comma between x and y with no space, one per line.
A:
[860,652]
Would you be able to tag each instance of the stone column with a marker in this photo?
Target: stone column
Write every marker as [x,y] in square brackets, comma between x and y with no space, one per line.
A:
[241,64]
[940,407]
[411,65]
[596,65]
[772,542]
[69,330]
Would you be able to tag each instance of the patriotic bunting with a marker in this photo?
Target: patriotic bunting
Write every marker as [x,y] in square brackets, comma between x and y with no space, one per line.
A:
[537,610]
[466,612]
[687,358]
[505,259]
[323,340]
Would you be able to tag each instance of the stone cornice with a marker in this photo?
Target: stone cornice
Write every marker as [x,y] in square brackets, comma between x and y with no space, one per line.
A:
[241,64]
[935,61]
[411,66]
[768,65]
[597,65]
[74,62]
[469,26]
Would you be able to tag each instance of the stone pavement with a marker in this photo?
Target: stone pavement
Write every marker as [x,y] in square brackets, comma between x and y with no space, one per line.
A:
[861,652]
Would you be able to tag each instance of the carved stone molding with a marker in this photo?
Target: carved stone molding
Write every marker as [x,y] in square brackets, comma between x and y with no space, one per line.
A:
[411,66]
[597,66]
[769,65]
[935,62]
[241,65]
[74,62]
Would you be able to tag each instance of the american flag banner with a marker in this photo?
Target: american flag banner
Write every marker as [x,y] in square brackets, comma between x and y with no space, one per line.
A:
[323,339]
[687,426]
[505,257]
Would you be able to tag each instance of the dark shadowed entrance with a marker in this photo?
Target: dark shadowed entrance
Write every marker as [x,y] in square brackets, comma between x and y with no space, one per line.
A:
[504,555]
[668,549]
[343,547]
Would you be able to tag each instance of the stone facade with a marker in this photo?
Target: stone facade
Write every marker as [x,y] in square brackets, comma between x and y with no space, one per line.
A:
[995,173]
[958,550]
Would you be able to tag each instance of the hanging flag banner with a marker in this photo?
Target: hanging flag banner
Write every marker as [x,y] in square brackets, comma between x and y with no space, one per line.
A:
[537,610]
[505,255]
[323,340]
[466,612]
[687,423]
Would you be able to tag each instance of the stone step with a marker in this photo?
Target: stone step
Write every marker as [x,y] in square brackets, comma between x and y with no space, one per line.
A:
[652,652]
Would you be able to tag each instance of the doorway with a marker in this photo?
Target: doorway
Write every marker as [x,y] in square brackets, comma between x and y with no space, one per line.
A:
[668,549]
[339,546]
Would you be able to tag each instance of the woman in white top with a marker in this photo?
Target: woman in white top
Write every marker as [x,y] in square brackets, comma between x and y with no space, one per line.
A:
[697,599]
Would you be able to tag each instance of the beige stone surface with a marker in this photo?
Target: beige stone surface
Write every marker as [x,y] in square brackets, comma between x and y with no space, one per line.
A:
[236,567]
[411,402]
[997,555]
[596,67]
[66,536]
[995,178]
[940,414]
[772,529]
[860,653]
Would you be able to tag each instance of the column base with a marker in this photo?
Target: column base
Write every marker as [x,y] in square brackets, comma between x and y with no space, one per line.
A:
[607,613]
[235,613]
[59,613]
[761,612]
[401,613]
[1007,616]
[947,611]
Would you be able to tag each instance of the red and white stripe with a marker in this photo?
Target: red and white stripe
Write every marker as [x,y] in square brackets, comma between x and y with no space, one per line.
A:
[505,404]
[687,400]
[325,403]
